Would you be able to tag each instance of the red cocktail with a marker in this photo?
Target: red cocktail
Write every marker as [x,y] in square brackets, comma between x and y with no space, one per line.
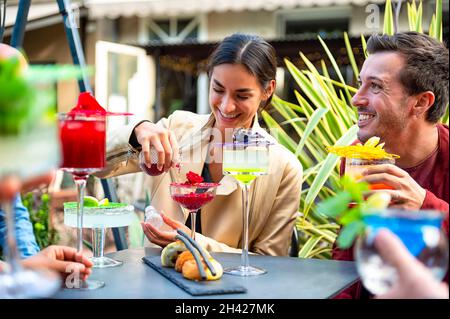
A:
[82,134]
[192,200]
[83,142]
[193,195]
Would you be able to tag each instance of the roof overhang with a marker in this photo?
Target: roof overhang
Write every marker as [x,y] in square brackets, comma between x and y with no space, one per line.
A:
[39,15]
[158,8]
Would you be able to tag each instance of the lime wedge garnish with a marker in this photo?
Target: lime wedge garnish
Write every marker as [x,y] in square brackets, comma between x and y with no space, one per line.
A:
[378,201]
[90,201]
[104,202]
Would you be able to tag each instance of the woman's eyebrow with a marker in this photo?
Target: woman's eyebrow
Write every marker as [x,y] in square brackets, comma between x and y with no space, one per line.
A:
[244,90]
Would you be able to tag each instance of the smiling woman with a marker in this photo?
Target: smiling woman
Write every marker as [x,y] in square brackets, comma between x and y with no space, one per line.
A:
[242,72]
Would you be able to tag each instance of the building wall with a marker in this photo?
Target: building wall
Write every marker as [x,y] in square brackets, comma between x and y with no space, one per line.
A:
[49,45]
[222,24]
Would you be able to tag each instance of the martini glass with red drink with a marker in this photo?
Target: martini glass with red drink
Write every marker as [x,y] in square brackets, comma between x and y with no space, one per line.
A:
[193,195]
[82,134]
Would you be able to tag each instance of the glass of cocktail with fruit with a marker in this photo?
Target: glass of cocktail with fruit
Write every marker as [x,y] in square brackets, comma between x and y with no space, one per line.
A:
[362,156]
[193,195]
[99,215]
[82,133]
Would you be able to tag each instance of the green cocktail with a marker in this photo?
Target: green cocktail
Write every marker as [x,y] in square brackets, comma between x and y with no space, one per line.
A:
[246,158]
[245,163]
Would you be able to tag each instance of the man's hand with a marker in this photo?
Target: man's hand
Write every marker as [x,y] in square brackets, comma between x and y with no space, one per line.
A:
[161,237]
[415,281]
[407,194]
[61,259]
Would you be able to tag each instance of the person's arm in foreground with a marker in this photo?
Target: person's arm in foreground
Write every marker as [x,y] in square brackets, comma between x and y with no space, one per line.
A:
[415,281]
[64,260]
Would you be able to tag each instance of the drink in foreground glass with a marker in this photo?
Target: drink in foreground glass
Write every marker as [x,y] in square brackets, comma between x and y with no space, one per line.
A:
[420,232]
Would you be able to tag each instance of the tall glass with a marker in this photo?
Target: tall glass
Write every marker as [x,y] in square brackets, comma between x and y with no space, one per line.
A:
[98,219]
[193,197]
[25,156]
[420,231]
[245,161]
[83,139]
[355,166]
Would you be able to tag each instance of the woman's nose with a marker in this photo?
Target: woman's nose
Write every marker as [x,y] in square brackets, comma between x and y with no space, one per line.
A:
[228,105]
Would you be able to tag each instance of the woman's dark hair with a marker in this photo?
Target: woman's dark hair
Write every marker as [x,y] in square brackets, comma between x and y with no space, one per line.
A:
[426,66]
[251,51]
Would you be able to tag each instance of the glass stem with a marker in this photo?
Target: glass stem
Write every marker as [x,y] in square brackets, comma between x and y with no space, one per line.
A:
[193,215]
[81,186]
[98,240]
[246,212]
[12,254]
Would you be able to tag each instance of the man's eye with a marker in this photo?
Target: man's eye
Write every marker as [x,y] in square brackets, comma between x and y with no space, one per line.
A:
[242,97]
[217,90]
[376,86]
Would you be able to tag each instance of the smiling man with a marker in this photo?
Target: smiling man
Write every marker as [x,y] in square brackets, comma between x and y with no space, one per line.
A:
[403,94]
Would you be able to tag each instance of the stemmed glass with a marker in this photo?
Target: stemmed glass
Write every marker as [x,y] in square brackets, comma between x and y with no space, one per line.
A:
[420,231]
[83,138]
[28,148]
[246,158]
[25,156]
[193,197]
[354,167]
[98,219]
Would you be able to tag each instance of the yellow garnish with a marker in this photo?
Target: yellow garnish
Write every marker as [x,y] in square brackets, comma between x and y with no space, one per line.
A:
[370,150]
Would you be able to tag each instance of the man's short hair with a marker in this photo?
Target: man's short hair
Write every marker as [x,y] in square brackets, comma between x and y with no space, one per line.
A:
[426,66]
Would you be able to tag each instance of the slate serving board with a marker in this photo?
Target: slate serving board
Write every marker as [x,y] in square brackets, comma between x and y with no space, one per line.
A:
[224,285]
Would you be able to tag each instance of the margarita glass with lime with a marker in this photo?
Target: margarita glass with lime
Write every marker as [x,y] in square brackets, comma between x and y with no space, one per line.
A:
[98,216]
[246,158]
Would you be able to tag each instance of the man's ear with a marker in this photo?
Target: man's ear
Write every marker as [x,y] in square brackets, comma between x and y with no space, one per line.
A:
[424,101]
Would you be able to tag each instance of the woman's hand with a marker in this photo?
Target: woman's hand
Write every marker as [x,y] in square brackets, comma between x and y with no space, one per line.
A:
[62,259]
[164,141]
[163,237]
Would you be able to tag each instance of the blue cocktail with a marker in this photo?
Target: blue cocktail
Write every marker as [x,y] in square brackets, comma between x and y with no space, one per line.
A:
[419,231]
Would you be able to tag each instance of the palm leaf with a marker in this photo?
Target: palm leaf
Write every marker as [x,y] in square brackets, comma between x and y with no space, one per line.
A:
[388,26]
[326,169]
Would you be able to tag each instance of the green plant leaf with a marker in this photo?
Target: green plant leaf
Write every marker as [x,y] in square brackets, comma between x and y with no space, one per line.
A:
[349,233]
[352,215]
[438,21]
[312,123]
[351,57]
[326,169]
[309,246]
[388,26]
[333,207]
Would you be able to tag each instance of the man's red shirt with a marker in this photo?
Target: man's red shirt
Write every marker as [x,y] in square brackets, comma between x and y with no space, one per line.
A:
[431,174]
